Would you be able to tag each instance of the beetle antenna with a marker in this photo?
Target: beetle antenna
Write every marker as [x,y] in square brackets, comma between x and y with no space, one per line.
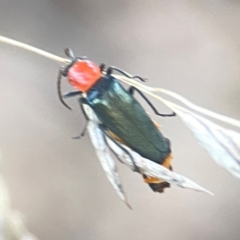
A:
[59,90]
[69,53]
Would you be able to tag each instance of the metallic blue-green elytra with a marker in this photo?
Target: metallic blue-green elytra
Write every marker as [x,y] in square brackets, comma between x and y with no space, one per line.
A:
[123,115]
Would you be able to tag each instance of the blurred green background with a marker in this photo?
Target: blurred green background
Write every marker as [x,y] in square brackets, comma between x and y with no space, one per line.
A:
[190,47]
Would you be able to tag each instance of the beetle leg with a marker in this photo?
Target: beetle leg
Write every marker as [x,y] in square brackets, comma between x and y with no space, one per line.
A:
[110,70]
[106,134]
[131,91]
[82,101]
[84,129]
[71,94]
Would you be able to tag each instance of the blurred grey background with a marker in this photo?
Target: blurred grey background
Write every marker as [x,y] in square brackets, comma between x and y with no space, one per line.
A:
[190,47]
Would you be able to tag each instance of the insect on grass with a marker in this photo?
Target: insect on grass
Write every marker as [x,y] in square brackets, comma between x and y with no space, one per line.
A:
[119,127]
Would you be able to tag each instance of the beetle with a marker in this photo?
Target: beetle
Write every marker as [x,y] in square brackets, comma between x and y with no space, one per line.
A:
[121,116]
[117,123]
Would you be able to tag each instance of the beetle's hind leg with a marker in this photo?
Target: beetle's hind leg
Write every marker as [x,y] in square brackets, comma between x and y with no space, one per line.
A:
[131,91]
[107,134]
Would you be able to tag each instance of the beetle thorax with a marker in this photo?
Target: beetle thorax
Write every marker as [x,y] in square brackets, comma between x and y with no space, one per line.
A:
[83,74]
